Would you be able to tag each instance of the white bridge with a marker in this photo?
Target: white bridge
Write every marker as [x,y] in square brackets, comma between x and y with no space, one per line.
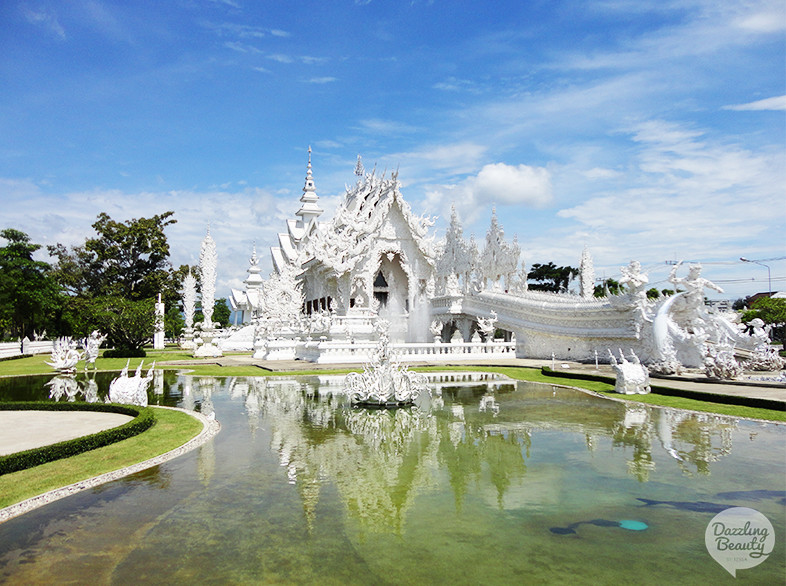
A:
[570,326]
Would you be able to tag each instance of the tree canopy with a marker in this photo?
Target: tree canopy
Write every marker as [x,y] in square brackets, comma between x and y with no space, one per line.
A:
[127,259]
[550,277]
[772,312]
[28,294]
[111,280]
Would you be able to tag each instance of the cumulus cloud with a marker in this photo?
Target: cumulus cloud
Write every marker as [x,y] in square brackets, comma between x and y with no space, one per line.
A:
[496,183]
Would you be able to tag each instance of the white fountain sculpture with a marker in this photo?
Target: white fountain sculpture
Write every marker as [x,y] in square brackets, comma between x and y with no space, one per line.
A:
[91,345]
[64,356]
[131,390]
[384,382]
[632,376]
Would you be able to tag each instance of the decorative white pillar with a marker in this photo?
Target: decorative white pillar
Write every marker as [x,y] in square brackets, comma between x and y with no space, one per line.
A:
[189,305]
[158,337]
[208,263]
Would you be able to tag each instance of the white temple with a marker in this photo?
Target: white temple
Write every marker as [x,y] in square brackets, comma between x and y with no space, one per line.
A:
[447,301]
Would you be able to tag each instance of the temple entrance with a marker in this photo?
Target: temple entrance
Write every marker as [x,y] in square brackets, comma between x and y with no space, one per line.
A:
[391,291]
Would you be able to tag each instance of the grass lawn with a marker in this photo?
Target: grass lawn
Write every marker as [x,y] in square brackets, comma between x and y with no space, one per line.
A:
[171,430]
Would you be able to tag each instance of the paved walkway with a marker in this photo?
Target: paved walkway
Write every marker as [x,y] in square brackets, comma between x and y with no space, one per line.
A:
[25,430]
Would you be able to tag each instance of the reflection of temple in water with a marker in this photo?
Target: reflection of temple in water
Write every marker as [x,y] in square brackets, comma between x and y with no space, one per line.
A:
[479,432]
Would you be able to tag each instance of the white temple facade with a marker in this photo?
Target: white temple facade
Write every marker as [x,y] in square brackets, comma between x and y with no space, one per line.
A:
[447,300]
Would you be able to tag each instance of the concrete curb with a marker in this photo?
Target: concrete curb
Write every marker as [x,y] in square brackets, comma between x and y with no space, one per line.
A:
[210,428]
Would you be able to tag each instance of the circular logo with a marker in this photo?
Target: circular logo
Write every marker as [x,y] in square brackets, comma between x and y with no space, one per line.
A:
[739,538]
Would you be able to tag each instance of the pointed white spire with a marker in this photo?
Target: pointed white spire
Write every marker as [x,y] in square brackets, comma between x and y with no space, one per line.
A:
[360,170]
[254,279]
[310,209]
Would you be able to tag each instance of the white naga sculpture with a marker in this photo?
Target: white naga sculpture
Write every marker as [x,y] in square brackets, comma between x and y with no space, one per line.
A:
[384,382]
[64,355]
[720,362]
[632,376]
[91,345]
[131,390]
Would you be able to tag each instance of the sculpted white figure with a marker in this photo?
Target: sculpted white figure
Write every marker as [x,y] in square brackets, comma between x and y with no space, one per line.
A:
[64,355]
[208,264]
[131,390]
[632,376]
[92,345]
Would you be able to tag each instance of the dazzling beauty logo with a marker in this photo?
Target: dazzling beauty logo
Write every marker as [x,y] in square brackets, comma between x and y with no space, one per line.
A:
[739,538]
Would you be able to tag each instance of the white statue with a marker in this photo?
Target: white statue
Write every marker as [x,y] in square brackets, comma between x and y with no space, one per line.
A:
[131,390]
[632,376]
[720,362]
[587,275]
[91,345]
[487,325]
[64,355]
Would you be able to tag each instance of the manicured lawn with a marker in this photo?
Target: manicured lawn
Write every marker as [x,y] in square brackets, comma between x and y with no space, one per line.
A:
[171,430]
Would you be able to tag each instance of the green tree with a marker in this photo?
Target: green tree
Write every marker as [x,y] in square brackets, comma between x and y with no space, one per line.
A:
[221,312]
[114,278]
[550,277]
[772,312]
[611,285]
[653,293]
[127,259]
[174,322]
[28,294]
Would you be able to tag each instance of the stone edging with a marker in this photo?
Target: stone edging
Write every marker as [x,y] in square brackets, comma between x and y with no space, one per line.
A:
[210,428]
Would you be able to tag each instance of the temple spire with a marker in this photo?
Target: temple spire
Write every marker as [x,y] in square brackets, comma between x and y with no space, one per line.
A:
[310,209]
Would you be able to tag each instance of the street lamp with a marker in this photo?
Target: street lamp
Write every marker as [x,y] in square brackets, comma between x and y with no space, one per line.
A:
[769,278]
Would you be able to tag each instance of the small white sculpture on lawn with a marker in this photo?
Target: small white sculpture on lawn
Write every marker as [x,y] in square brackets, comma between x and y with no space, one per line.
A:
[131,390]
[632,376]
[64,355]
[91,345]
[158,336]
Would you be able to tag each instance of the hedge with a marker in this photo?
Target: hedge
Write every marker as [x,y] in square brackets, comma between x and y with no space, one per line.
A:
[144,418]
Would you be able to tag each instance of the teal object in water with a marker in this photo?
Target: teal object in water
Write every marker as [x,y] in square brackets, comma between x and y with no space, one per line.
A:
[633,525]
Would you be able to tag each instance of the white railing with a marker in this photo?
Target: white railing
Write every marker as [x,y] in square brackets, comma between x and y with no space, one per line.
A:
[25,348]
[343,352]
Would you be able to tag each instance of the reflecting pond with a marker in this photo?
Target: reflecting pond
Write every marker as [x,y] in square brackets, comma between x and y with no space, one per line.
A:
[497,482]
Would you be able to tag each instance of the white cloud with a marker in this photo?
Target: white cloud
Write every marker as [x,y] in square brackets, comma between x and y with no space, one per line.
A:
[774,103]
[706,198]
[321,80]
[496,183]
[46,19]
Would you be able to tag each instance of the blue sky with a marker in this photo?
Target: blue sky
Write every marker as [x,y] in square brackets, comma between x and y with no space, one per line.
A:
[645,130]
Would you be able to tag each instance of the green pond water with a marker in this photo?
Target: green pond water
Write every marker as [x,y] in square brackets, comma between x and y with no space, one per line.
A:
[497,482]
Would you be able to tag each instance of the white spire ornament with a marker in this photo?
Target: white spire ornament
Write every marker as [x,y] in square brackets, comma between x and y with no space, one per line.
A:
[208,264]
